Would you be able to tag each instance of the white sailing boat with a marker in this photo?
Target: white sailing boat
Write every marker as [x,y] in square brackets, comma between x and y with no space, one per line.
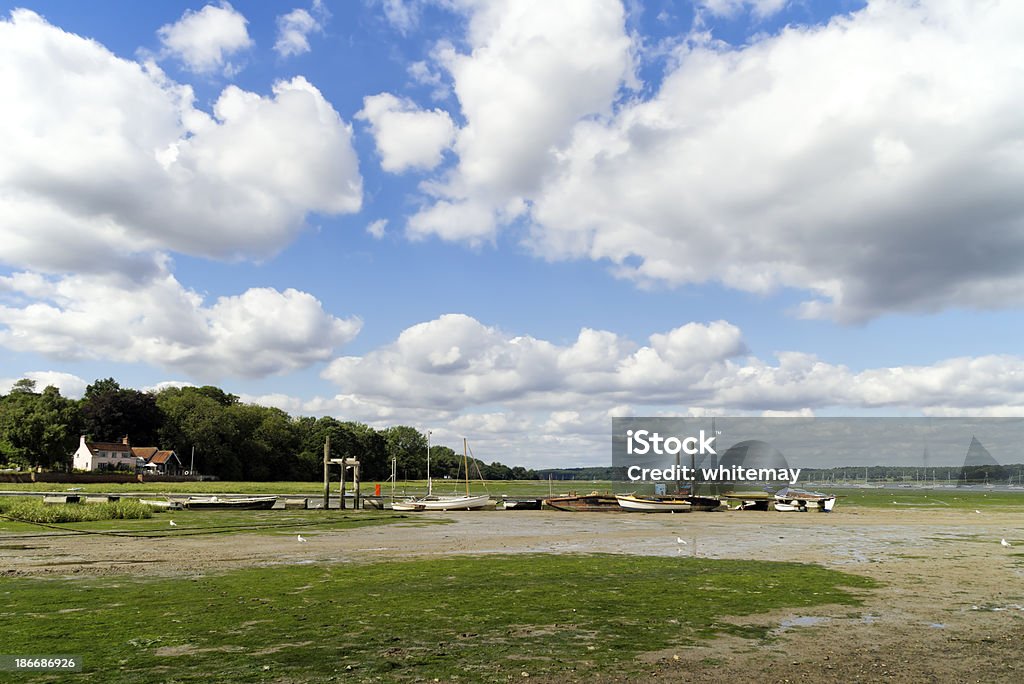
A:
[653,504]
[431,502]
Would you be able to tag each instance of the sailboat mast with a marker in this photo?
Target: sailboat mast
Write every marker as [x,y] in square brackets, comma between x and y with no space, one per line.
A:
[465,463]
[428,464]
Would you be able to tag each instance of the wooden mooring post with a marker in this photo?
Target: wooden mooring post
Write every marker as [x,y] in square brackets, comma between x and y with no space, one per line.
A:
[327,477]
[342,497]
[345,464]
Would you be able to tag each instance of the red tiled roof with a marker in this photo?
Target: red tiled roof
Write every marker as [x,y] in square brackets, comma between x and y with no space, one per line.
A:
[162,457]
[107,446]
[145,452]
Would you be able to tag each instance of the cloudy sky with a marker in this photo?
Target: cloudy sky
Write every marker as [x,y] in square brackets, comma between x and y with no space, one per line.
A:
[514,219]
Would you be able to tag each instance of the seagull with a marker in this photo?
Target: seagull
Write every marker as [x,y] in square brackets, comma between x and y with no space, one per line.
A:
[976,510]
[302,539]
[680,540]
[173,524]
[1005,543]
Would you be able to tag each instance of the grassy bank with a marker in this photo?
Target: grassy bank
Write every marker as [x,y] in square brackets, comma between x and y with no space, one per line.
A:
[33,510]
[196,522]
[457,619]
[410,488]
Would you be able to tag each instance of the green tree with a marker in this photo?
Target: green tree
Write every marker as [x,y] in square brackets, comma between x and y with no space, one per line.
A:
[38,429]
[267,446]
[191,418]
[348,440]
[24,386]
[217,394]
[409,447]
[104,386]
[444,462]
[110,412]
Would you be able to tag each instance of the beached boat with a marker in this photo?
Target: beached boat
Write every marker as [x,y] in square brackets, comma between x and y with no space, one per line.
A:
[159,504]
[790,499]
[410,505]
[749,504]
[748,501]
[584,503]
[235,502]
[521,504]
[432,502]
[703,503]
[653,504]
[451,503]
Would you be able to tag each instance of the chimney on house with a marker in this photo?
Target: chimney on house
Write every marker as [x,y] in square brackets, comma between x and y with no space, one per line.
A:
[124,440]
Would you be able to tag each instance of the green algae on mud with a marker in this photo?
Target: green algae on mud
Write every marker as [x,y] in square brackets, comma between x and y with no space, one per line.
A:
[477,618]
[210,521]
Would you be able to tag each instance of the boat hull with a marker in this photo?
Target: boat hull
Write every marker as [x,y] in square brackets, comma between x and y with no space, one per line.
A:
[443,503]
[522,504]
[590,503]
[406,506]
[636,504]
[246,503]
[703,503]
[798,500]
[821,505]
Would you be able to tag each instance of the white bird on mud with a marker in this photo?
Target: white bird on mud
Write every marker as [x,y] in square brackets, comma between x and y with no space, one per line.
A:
[680,540]
[1005,543]
[976,510]
[302,539]
[173,524]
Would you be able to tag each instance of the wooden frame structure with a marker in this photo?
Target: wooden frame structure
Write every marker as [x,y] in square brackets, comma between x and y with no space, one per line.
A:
[345,464]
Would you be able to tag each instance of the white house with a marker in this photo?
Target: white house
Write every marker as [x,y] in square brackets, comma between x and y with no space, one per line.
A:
[104,456]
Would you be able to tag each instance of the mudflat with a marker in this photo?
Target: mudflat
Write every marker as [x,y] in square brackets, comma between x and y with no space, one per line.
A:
[949,606]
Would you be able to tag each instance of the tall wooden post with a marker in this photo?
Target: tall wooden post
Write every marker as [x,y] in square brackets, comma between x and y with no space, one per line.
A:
[342,505]
[357,480]
[327,478]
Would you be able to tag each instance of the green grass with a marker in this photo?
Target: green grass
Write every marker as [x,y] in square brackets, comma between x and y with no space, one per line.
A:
[199,521]
[34,510]
[466,619]
[936,499]
[313,489]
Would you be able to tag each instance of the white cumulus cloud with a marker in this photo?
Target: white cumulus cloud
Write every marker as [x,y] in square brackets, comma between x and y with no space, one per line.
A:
[70,385]
[457,364]
[532,70]
[204,40]
[112,162]
[377,228]
[295,27]
[455,361]
[872,162]
[406,136]
[260,332]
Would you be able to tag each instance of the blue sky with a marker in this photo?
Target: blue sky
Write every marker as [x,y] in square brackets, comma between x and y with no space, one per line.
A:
[588,209]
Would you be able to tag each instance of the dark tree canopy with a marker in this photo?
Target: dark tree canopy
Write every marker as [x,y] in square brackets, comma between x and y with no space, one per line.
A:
[38,429]
[231,439]
[110,413]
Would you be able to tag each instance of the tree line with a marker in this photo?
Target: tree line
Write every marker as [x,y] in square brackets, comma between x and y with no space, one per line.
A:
[232,440]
